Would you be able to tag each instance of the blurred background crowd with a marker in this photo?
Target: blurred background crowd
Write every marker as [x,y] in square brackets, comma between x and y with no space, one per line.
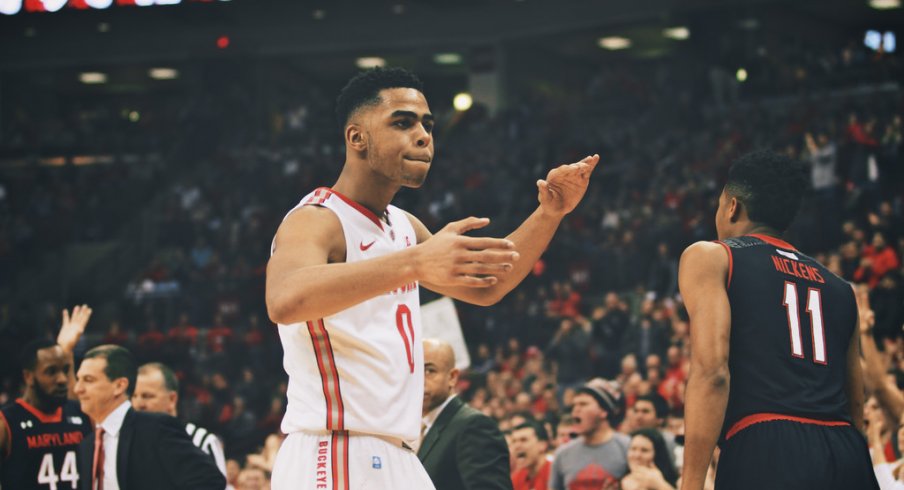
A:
[158,208]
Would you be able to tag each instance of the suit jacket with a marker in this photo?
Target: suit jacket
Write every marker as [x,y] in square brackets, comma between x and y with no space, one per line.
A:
[464,450]
[154,452]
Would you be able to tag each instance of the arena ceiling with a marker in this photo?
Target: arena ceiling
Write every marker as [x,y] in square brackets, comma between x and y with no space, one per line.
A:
[328,36]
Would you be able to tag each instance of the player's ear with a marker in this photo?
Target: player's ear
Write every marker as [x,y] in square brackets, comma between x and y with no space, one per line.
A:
[734,209]
[28,376]
[355,137]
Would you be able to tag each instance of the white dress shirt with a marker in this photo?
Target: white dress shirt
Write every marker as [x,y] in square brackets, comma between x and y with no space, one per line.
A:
[111,426]
[429,419]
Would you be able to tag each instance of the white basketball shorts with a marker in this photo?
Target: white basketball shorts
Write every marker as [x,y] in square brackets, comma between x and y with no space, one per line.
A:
[339,461]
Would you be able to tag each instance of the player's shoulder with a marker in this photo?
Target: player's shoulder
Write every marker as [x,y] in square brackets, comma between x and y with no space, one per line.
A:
[308,223]
[705,252]
[308,214]
[8,407]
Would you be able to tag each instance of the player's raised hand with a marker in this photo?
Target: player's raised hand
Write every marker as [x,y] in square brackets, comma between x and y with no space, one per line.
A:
[449,258]
[565,185]
[73,326]
[864,310]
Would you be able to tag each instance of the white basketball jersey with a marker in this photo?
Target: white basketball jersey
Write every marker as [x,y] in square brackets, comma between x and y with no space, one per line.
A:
[361,369]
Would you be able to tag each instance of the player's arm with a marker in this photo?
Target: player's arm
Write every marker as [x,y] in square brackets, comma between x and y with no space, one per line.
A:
[308,278]
[71,331]
[873,371]
[559,194]
[5,440]
[702,278]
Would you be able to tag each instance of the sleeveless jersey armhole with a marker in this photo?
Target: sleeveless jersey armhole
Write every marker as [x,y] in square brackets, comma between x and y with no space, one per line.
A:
[730,262]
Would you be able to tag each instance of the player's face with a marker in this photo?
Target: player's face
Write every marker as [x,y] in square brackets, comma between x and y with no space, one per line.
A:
[151,394]
[97,393]
[526,448]
[587,413]
[400,137]
[50,378]
[640,452]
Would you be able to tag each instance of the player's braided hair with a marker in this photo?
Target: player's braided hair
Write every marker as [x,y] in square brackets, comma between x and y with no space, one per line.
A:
[364,89]
[769,185]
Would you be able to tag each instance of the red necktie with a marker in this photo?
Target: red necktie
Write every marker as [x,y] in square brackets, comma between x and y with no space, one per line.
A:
[98,470]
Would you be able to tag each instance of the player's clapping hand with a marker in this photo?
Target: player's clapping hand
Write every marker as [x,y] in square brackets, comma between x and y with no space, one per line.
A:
[73,327]
[449,258]
[565,186]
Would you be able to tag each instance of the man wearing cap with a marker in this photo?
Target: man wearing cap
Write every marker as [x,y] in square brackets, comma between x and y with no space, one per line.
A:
[597,459]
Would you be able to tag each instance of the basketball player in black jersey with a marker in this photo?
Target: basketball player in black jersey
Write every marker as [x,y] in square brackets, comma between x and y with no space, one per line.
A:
[40,432]
[775,374]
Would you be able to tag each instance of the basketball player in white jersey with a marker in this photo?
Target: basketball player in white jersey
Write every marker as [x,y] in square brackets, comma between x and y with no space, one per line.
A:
[342,284]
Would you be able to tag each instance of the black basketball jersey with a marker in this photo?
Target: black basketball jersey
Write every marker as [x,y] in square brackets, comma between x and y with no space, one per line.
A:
[43,447]
[791,324]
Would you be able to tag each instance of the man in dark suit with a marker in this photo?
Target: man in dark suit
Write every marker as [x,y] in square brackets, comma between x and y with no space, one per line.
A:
[128,449]
[461,448]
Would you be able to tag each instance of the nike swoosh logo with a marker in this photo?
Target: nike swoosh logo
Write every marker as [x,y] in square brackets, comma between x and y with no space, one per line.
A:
[365,247]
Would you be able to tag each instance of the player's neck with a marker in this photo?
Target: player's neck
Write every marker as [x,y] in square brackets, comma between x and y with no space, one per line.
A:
[369,191]
[32,399]
[751,228]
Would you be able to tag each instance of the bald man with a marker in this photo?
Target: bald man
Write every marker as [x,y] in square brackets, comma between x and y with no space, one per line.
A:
[157,390]
[461,448]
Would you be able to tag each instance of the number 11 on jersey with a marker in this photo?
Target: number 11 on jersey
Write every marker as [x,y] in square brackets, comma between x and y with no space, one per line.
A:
[814,308]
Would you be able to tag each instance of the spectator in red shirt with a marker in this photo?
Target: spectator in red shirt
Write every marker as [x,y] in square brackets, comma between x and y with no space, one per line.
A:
[218,336]
[530,446]
[878,259]
[183,332]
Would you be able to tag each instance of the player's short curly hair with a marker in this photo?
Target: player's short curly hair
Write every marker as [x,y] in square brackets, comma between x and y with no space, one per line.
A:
[364,89]
[770,186]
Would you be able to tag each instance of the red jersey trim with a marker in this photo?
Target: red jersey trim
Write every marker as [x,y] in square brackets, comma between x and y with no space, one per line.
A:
[361,209]
[46,418]
[771,240]
[339,454]
[730,262]
[9,436]
[321,194]
[770,417]
[329,375]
